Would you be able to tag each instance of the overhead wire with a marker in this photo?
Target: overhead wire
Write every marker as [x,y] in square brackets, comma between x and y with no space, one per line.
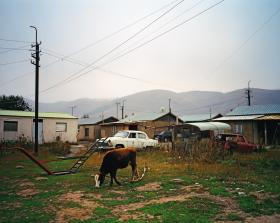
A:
[116,47]
[8,49]
[71,78]
[251,36]
[12,40]
[13,62]
[94,43]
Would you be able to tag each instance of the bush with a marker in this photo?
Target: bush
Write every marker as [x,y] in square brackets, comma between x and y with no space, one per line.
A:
[205,150]
[59,148]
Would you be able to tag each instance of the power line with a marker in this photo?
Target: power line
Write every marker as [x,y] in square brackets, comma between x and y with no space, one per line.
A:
[12,40]
[91,44]
[8,49]
[121,29]
[116,47]
[71,78]
[13,62]
[253,34]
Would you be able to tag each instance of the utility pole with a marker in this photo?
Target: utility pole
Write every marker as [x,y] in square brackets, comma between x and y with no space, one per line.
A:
[169,104]
[72,109]
[118,103]
[210,112]
[36,56]
[248,94]
[122,108]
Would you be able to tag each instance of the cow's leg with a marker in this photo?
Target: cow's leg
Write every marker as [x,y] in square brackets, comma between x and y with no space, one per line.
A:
[115,177]
[112,177]
[134,171]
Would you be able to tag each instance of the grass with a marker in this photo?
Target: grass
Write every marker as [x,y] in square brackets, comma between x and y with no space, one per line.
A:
[246,173]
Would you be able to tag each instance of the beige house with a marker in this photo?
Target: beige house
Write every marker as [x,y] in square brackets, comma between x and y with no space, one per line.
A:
[149,122]
[90,129]
[52,126]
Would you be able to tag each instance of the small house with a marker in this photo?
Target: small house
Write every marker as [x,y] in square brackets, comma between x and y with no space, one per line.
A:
[260,124]
[52,126]
[90,129]
[149,122]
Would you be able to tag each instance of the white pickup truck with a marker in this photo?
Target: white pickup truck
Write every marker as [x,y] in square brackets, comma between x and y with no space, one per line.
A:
[129,138]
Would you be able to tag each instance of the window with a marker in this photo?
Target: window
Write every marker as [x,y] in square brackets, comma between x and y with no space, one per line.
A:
[141,136]
[132,135]
[121,134]
[61,127]
[238,128]
[10,126]
[86,132]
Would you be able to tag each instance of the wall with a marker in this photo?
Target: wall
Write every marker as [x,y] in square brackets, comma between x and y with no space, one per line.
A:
[50,134]
[94,132]
[24,128]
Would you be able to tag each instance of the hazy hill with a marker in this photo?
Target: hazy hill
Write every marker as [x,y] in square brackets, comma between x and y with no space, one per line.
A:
[192,102]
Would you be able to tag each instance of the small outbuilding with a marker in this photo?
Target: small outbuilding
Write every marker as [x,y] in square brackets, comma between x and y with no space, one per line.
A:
[52,126]
[200,130]
[90,128]
[149,122]
[260,124]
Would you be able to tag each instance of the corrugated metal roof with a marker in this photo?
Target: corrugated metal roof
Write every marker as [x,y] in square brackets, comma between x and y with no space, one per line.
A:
[256,110]
[203,126]
[238,117]
[32,114]
[198,117]
[143,116]
[269,117]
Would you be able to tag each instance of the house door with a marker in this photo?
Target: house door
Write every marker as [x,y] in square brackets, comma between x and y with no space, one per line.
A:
[40,131]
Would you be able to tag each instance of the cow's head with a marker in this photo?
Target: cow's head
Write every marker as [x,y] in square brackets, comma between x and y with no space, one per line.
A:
[99,179]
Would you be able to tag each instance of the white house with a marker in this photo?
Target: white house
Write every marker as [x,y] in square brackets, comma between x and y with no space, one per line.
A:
[15,124]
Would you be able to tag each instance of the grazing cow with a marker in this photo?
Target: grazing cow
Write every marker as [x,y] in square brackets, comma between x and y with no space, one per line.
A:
[114,160]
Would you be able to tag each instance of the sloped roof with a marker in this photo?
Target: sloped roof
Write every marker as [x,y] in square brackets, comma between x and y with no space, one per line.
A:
[143,116]
[95,120]
[198,117]
[13,113]
[255,110]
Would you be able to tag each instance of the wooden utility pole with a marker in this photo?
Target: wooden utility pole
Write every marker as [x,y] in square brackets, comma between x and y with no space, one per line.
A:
[117,103]
[36,56]
[122,108]
[248,93]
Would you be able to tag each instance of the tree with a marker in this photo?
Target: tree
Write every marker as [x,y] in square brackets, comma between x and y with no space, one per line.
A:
[12,102]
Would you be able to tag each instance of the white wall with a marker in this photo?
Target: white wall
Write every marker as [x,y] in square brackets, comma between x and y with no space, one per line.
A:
[24,128]
[50,134]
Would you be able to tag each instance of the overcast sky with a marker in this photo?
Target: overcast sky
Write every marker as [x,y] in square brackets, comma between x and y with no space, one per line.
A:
[219,50]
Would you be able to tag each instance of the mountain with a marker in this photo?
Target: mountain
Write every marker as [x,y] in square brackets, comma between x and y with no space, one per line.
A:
[192,102]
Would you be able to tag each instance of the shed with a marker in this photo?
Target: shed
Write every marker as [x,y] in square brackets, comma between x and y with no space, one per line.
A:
[200,129]
[258,123]
[150,122]
[90,129]
[52,125]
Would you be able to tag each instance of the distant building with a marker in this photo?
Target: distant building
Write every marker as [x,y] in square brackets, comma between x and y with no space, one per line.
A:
[90,129]
[199,117]
[149,122]
[52,126]
[259,123]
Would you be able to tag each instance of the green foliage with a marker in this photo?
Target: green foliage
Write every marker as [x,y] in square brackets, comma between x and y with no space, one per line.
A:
[265,207]
[14,103]
[193,210]
[234,217]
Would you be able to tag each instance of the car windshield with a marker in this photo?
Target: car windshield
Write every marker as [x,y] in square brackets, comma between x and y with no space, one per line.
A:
[121,134]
